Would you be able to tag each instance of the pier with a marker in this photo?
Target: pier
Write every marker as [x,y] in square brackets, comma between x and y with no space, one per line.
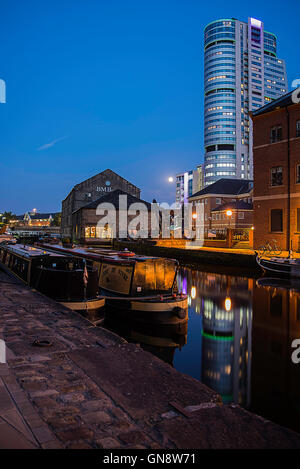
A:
[89,388]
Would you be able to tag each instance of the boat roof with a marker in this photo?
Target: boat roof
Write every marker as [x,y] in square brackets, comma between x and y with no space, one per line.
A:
[29,251]
[104,254]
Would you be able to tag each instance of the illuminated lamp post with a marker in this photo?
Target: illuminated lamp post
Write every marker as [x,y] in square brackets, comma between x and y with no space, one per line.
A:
[229,238]
[229,215]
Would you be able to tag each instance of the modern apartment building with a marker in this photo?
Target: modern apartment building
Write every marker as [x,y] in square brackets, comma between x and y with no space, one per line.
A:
[241,73]
[188,183]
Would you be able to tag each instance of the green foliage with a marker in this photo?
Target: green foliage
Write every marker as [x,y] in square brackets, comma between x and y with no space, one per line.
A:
[6,217]
[56,220]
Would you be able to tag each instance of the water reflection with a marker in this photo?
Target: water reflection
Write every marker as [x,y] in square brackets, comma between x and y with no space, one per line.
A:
[222,305]
[239,341]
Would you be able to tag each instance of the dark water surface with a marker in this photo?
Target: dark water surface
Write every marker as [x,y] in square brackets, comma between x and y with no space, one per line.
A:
[238,341]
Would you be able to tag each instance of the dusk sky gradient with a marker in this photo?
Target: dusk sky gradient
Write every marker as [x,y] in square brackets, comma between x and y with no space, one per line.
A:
[110,84]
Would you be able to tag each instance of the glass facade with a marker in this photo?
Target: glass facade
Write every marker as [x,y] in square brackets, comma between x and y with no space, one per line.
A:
[241,73]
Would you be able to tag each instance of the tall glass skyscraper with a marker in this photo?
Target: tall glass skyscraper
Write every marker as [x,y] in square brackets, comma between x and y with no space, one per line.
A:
[241,73]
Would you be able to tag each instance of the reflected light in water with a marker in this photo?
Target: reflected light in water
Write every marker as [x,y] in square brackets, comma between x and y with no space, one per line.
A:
[228,304]
[193,293]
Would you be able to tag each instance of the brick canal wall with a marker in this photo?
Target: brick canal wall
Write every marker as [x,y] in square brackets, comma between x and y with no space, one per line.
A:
[192,256]
[91,389]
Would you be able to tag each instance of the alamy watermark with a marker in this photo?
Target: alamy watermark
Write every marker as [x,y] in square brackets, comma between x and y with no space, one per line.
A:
[141,220]
[296,353]
[296,92]
[2,351]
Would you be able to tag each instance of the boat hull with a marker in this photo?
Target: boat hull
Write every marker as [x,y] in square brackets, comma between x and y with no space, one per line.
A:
[169,315]
[284,267]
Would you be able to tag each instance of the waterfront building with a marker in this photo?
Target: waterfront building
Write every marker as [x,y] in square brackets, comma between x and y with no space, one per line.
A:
[241,73]
[223,195]
[32,218]
[235,215]
[188,183]
[89,191]
[276,130]
[85,219]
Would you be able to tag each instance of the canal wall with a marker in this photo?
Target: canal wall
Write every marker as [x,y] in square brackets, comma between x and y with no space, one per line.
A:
[91,389]
[193,256]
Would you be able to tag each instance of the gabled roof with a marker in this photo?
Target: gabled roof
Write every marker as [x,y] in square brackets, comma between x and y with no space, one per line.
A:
[108,171]
[238,205]
[226,187]
[113,198]
[41,216]
[283,101]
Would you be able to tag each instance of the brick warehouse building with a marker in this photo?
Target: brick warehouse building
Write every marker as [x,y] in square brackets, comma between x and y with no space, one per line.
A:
[276,200]
[223,195]
[89,191]
[85,219]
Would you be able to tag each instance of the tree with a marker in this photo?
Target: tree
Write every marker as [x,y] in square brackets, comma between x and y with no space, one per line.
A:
[56,219]
[6,217]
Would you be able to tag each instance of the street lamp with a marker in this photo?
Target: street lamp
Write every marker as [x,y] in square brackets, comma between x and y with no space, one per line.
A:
[171,179]
[229,215]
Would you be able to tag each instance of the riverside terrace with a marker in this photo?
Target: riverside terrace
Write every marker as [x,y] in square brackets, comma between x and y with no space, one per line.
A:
[91,389]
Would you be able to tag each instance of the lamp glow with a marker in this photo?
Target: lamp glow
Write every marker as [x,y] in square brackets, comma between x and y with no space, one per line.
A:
[193,293]
[229,213]
[194,216]
[171,179]
[228,304]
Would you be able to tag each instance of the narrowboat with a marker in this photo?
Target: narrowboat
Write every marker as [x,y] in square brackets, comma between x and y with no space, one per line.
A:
[143,287]
[281,266]
[57,276]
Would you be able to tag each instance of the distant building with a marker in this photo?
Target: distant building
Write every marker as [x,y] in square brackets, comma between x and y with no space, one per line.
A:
[89,191]
[188,183]
[32,219]
[241,73]
[276,130]
[224,195]
[85,219]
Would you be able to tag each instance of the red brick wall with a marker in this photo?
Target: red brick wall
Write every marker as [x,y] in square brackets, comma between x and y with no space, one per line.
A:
[266,156]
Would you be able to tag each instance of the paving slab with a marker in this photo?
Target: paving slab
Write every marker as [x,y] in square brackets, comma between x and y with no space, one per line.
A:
[139,382]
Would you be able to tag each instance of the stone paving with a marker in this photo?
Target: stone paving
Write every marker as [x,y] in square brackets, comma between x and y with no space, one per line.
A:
[90,389]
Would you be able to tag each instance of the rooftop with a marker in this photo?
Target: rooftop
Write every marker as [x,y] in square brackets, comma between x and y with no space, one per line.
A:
[238,205]
[113,198]
[226,187]
[283,101]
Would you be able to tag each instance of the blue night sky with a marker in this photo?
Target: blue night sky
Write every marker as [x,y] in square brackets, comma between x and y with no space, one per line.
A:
[97,84]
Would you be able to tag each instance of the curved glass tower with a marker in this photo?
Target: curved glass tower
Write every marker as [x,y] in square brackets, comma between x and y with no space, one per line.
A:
[241,73]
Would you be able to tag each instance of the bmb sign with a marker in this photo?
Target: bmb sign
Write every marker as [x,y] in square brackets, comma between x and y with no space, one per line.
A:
[106,188]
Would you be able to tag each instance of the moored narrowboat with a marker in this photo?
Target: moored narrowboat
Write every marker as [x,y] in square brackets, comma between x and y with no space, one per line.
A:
[142,287]
[281,266]
[57,276]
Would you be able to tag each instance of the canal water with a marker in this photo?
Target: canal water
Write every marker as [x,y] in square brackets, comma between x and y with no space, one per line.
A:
[238,341]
